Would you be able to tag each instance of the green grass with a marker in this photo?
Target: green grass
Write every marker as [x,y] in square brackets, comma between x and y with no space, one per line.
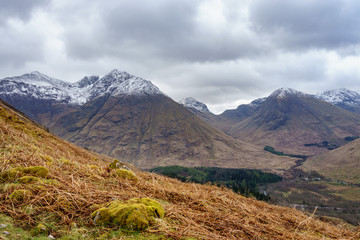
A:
[75,233]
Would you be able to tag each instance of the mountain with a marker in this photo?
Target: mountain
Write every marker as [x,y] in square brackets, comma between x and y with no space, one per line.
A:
[201,110]
[288,120]
[192,103]
[344,98]
[129,118]
[242,112]
[59,188]
[342,163]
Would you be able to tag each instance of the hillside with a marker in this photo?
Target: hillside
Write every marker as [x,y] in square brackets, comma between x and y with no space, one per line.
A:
[342,163]
[50,186]
[297,123]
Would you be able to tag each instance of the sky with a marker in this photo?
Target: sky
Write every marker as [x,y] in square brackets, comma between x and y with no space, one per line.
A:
[221,52]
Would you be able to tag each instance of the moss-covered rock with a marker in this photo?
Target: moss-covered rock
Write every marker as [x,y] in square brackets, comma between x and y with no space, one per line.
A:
[125,174]
[15,173]
[20,195]
[38,171]
[10,175]
[115,164]
[154,208]
[136,214]
[28,179]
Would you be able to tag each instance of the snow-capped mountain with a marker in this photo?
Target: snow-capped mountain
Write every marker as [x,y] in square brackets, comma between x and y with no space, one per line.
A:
[40,86]
[122,83]
[190,102]
[285,92]
[340,96]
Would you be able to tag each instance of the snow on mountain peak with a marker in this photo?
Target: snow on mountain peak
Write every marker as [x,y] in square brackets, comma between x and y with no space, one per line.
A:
[41,86]
[340,96]
[285,92]
[117,82]
[193,103]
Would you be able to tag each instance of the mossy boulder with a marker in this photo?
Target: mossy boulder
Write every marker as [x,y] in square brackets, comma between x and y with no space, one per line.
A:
[135,214]
[125,174]
[9,175]
[115,164]
[14,173]
[28,179]
[38,171]
[20,195]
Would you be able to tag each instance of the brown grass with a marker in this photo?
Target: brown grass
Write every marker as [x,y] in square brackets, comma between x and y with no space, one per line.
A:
[192,210]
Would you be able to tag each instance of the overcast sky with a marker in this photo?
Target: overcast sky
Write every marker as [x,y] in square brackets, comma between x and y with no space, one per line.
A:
[221,52]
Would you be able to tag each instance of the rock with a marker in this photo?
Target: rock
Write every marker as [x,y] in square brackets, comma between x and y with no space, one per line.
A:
[51,237]
[135,214]
[3,226]
[6,233]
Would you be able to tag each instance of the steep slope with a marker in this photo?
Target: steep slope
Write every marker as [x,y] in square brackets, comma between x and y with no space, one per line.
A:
[131,119]
[342,163]
[60,202]
[288,119]
[151,131]
[344,98]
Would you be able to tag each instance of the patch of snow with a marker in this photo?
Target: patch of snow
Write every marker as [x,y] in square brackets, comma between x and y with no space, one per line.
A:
[338,96]
[285,92]
[193,103]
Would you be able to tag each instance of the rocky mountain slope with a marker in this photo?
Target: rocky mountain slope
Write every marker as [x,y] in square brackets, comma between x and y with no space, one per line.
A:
[131,119]
[344,98]
[66,192]
[288,120]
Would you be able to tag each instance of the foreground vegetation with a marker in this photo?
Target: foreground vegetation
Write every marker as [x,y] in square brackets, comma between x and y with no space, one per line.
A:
[243,181]
[81,195]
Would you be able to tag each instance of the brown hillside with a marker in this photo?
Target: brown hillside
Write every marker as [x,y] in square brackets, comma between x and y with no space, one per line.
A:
[287,122]
[342,163]
[78,179]
[151,131]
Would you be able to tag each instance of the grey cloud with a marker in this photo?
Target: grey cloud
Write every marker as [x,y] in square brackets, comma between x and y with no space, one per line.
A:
[18,46]
[18,9]
[308,24]
[163,29]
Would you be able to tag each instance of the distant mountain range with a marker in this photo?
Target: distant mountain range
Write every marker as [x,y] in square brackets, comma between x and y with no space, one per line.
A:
[129,118]
[295,122]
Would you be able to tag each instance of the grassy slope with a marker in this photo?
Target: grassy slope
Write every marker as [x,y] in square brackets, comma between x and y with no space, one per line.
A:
[63,201]
[342,163]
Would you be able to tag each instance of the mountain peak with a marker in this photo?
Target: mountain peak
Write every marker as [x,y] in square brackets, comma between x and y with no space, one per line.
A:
[285,92]
[190,102]
[340,96]
[122,83]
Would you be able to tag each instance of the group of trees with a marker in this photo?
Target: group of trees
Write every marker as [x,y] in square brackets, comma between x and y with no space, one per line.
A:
[243,181]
